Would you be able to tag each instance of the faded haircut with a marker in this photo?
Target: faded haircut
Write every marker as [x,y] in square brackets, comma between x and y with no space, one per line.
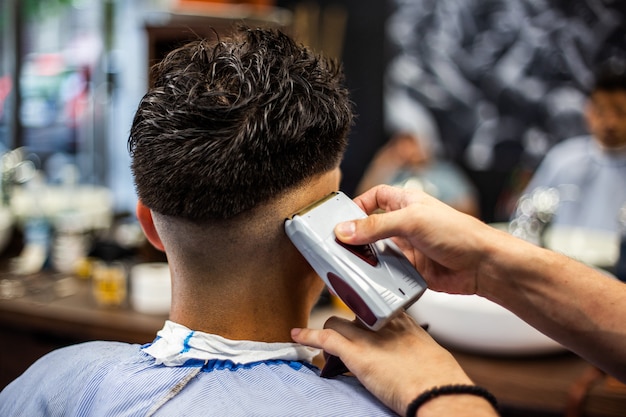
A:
[229,124]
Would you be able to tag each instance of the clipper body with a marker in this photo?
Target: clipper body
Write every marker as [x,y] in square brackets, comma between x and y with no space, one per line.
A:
[375,281]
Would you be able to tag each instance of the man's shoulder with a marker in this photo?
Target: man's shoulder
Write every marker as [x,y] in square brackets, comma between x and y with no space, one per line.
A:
[46,384]
[577,145]
[93,350]
[568,153]
[82,359]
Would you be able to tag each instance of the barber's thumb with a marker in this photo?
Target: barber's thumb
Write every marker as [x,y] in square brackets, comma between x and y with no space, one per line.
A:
[354,232]
[345,230]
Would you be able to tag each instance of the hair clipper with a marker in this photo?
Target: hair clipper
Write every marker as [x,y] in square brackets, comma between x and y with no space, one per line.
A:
[376,281]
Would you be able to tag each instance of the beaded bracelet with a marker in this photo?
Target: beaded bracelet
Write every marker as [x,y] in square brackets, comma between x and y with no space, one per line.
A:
[411,410]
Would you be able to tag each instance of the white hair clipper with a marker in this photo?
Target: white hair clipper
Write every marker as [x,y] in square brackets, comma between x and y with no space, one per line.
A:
[376,281]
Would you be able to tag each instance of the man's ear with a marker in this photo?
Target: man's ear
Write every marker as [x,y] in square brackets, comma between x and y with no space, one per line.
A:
[147,224]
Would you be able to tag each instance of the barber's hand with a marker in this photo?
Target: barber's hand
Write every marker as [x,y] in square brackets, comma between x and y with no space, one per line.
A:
[396,363]
[445,245]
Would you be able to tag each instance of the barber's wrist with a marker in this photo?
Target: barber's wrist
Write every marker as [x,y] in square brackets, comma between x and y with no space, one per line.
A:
[500,259]
[454,399]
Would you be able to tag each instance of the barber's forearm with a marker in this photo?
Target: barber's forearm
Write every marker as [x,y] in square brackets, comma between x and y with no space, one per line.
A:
[570,302]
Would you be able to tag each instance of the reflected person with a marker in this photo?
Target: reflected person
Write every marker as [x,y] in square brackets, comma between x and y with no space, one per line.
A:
[589,172]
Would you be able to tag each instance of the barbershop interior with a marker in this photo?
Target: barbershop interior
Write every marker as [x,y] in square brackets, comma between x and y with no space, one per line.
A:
[484,105]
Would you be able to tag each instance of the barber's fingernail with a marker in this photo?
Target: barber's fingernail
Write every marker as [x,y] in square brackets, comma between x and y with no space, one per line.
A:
[295,331]
[346,229]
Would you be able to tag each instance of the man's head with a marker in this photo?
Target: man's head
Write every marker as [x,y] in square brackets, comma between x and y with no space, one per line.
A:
[231,124]
[606,111]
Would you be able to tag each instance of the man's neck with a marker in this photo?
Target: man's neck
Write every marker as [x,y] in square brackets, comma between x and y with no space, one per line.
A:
[243,311]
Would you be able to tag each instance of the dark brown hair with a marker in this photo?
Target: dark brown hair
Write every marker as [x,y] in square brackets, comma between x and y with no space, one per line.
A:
[610,76]
[232,123]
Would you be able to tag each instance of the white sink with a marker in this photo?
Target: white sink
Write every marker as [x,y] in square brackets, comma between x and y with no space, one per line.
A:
[475,324]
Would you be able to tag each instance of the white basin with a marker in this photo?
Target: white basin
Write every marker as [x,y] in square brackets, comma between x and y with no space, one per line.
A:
[475,324]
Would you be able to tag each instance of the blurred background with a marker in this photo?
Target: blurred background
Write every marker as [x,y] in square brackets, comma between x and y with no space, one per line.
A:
[484,87]
[501,80]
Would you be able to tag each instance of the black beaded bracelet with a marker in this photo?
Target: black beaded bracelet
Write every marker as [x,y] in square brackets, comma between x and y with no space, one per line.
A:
[411,410]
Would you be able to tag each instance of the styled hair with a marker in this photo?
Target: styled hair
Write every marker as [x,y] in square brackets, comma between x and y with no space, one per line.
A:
[230,124]
[610,76]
